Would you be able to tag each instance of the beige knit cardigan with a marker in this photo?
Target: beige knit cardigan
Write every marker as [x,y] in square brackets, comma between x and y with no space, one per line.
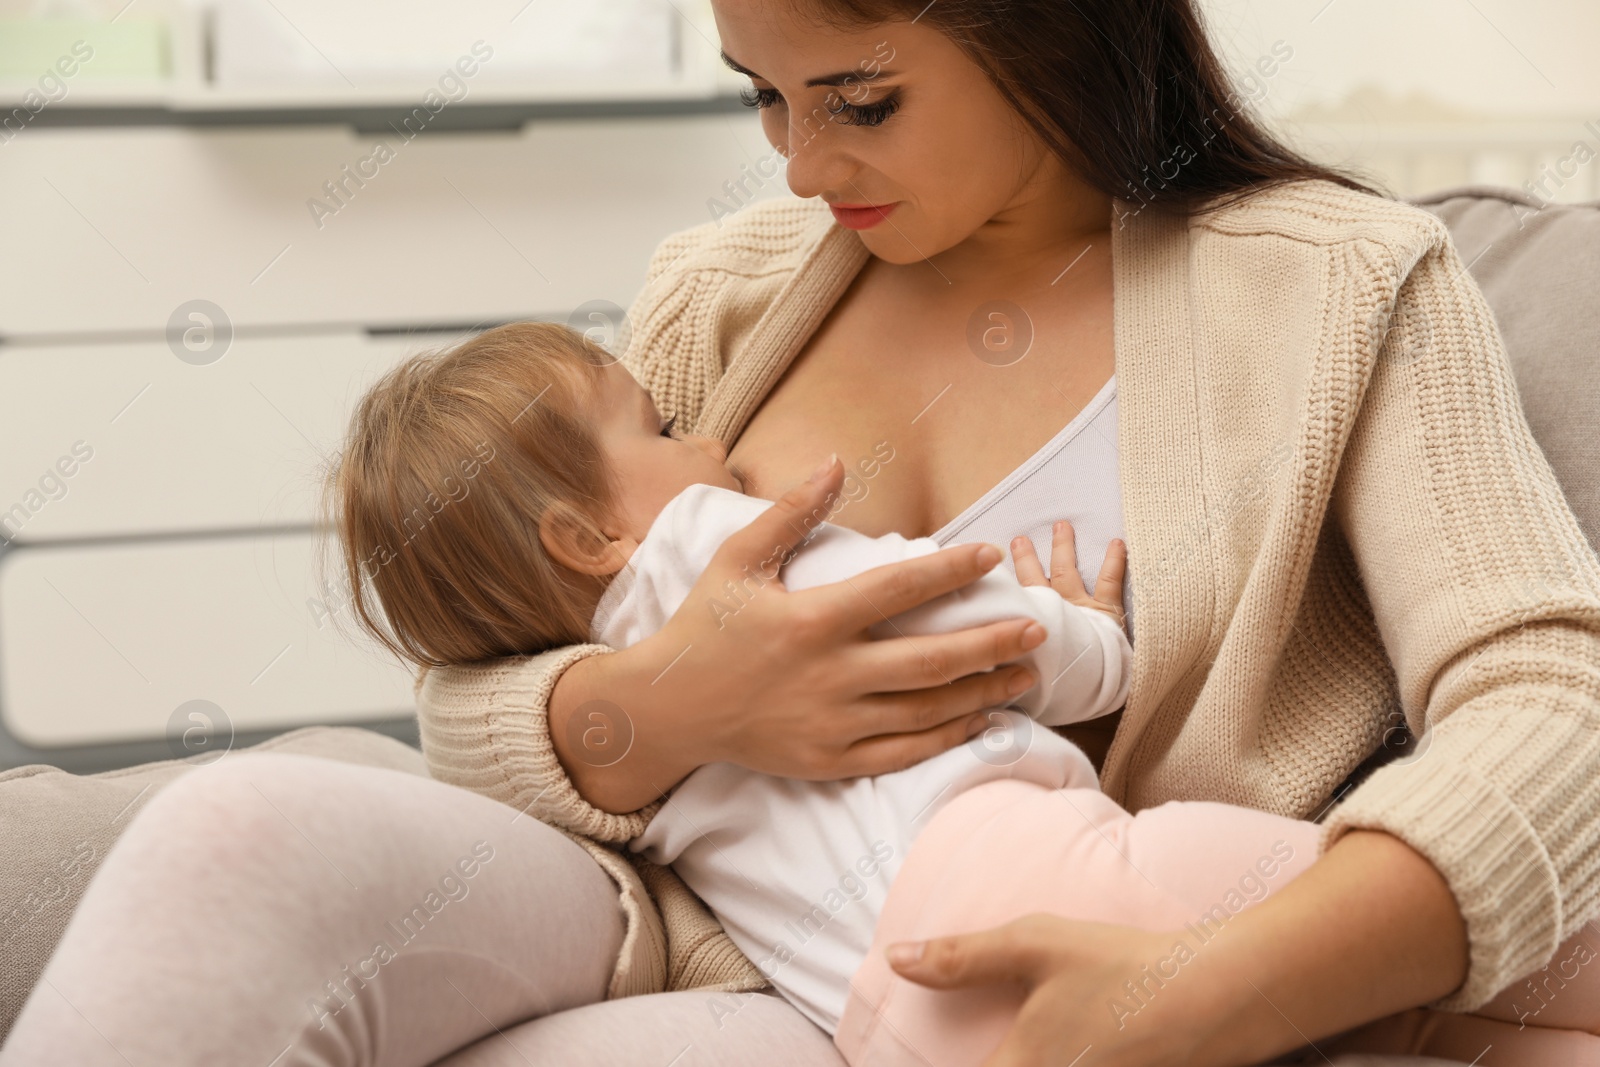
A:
[1337,521]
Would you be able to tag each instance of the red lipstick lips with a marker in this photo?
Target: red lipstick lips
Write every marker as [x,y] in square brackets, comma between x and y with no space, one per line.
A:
[861,216]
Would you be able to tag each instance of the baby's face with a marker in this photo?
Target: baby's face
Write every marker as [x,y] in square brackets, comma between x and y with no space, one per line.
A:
[649,463]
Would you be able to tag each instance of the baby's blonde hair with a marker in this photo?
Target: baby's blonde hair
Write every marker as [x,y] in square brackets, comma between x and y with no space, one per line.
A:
[452,459]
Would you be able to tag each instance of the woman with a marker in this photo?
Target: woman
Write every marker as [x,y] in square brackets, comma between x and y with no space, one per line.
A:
[1313,486]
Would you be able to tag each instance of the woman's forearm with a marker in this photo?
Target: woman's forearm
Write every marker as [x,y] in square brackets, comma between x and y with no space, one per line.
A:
[613,734]
[791,689]
[1370,929]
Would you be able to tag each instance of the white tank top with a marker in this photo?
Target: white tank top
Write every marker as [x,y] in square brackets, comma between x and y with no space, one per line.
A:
[1073,477]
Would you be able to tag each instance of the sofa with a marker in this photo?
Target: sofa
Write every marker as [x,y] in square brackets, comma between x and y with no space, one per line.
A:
[1538,266]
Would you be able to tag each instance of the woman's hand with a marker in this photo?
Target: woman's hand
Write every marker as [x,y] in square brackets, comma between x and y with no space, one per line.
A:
[1078,1010]
[1280,975]
[790,683]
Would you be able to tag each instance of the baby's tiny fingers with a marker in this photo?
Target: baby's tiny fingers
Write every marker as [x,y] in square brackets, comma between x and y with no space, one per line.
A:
[1029,570]
[1064,576]
[1108,586]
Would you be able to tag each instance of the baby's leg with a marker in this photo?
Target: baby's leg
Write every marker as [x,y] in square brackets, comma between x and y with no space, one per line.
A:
[1007,849]
[278,909]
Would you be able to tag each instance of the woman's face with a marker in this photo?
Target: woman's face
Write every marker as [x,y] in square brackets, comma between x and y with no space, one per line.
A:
[894,116]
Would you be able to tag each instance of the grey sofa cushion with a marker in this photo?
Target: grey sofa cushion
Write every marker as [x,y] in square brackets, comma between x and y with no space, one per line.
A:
[1539,268]
[55,828]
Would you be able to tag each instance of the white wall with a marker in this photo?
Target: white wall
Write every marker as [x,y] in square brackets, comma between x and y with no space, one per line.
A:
[1510,58]
[1427,94]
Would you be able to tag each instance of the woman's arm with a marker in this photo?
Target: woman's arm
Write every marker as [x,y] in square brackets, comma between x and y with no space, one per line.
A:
[1370,929]
[1487,597]
[792,684]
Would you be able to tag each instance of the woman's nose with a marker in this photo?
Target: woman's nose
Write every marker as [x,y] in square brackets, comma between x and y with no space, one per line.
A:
[814,164]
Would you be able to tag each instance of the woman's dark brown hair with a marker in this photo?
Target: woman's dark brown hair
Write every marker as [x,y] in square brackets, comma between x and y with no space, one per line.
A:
[1129,93]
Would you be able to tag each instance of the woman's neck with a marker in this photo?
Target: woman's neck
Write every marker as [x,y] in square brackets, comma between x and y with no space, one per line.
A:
[1053,215]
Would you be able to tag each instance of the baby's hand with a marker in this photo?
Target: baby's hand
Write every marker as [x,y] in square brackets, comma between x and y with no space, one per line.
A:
[1064,577]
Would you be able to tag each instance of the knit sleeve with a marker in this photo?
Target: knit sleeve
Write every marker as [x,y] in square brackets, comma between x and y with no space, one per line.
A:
[1492,623]
[486,727]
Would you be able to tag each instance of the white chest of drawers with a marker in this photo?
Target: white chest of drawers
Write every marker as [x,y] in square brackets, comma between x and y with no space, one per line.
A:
[178,560]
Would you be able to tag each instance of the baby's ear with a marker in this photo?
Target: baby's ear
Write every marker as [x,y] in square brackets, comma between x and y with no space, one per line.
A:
[575,542]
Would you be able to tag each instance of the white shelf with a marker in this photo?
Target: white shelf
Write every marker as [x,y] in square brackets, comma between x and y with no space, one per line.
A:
[192,89]
[205,99]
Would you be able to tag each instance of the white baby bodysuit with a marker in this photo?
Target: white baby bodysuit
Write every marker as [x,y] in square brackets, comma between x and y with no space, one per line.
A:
[797,871]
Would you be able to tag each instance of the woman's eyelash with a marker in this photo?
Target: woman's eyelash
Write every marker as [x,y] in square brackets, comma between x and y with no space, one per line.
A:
[758,98]
[844,112]
[666,427]
[848,114]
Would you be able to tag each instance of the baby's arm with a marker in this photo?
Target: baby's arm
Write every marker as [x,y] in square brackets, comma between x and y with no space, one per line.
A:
[1086,661]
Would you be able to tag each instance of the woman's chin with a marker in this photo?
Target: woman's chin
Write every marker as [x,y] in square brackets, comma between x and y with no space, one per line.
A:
[895,246]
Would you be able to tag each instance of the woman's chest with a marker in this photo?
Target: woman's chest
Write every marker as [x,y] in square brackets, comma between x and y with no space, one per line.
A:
[928,407]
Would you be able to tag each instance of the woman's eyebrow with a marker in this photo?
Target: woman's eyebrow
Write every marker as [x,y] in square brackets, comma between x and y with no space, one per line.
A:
[842,78]
[733,65]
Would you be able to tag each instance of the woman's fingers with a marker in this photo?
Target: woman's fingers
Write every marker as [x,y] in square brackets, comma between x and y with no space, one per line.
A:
[924,709]
[1029,570]
[1108,587]
[888,753]
[1064,576]
[765,542]
[1010,953]
[898,664]
[895,587]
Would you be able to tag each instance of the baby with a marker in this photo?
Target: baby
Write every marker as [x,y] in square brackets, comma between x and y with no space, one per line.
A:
[521,492]
[539,499]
